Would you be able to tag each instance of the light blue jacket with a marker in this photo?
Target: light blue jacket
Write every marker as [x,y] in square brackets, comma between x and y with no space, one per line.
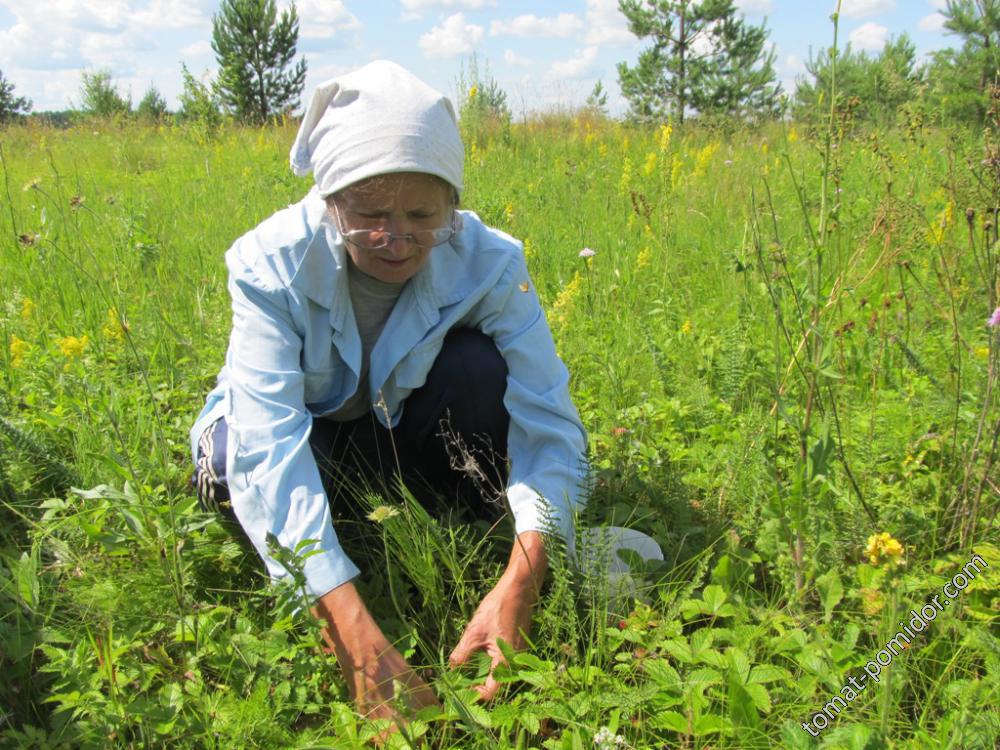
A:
[295,353]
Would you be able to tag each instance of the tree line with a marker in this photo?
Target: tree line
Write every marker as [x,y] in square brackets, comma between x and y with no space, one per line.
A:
[258,78]
[705,61]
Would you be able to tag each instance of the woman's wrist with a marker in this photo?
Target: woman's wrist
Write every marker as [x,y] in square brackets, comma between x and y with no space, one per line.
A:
[528,562]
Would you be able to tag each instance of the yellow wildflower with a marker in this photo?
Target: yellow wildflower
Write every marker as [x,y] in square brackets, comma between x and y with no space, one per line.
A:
[883,548]
[18,348]
[473,91]
[676,165]
[528,249]
[625,143]
[626,180]
[703,158]
[383,513]
[27,308]
[508,211]
[71,346]
[872,601]
[686,327]
[793,135]
[665,132]
[114,325]
[982,352]
[563,305]
[602,149]
[650,166]
[644,259]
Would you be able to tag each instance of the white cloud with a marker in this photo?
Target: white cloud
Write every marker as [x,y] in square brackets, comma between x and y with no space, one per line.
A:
[938,4]
[322,19]
[202,48]
[606,24]
[415,8]
[172,14]
[755,7]
[870,37]
[511,58]
[565,24]
[865,8]
[452,38]
[575,67]
[933,22]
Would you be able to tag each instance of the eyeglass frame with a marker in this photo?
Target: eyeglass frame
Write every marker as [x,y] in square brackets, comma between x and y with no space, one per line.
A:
[350,235]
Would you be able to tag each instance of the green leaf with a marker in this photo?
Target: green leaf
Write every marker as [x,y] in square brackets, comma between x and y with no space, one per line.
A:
[831,591]
[670,720]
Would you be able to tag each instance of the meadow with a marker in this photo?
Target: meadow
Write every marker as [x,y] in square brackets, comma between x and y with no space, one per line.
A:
[779,347]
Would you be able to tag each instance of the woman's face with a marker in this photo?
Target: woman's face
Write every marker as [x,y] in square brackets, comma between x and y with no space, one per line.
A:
[399,204]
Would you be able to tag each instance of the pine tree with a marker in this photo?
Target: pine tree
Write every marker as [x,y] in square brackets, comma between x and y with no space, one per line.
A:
[961,78]
[254,49]
[152,106]
[99,96]
[11,107]
[703,58]
[878,85]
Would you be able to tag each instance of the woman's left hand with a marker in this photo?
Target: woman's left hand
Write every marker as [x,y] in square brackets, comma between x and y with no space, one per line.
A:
[505,612]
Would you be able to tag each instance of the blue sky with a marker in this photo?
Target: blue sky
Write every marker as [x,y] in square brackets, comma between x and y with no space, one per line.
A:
[544,54]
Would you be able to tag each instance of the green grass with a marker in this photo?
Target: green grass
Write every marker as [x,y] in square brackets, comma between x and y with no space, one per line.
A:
[770,372]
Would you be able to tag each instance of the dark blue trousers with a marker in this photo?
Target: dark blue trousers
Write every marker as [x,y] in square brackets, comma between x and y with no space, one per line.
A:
[449,447]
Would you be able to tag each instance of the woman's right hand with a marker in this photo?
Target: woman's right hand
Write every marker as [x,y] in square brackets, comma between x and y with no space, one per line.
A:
[370,663]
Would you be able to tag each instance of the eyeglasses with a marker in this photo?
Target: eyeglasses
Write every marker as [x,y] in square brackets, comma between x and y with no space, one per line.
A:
[376,239]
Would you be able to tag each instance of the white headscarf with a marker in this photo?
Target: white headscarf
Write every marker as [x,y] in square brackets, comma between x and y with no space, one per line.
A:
[378,119]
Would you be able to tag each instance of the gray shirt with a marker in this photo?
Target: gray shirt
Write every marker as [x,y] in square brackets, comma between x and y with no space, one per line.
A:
[373,301]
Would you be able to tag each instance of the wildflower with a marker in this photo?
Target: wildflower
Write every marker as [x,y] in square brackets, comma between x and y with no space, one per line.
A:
[883,548]
[728,162]
[686,327]
[383,513]
[528,249]
[645,256]
[793,135]
[619,431]
[704,157]
[587,253]
[31,184]
[115,325]
[676,166]
[605,739]
[27,308]
[28,239]
[650,166]
[18,348]
[982,352]
[602,149]
[626,180]
[872,600]
[71,346]
[76,201]
[473,91]
[564,302]
[994,320]
[665,132]
[509,211]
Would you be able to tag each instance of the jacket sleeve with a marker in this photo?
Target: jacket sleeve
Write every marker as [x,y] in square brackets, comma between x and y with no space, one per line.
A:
[546,442]
[274,482]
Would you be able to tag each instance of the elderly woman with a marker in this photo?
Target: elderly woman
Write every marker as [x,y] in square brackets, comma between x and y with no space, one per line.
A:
[376,326]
